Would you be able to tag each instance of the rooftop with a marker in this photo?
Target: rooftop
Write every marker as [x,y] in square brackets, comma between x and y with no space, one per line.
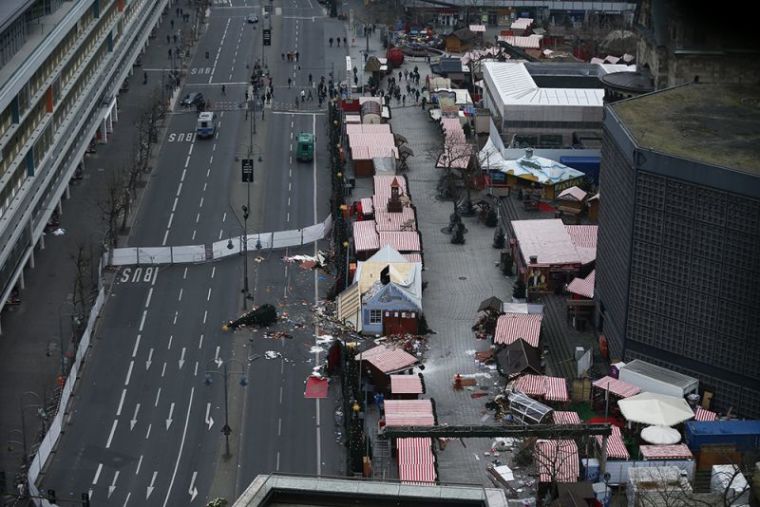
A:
[711,124]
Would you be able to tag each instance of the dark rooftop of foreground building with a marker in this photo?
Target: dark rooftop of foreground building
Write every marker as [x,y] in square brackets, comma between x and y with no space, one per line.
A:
[303,491]
[713,124]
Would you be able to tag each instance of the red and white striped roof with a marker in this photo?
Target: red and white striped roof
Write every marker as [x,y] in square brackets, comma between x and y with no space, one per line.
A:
[367,206]
[368,128]
[416,461]
[409,413]
[656,452]
[557,460]
[403,241]
[572,194]
[550,388]
[583,286]
[387,221]
[700,414]
[617,387]
[615,445]
[511,327]
[365,236]
[521,41]
[382,185]
[583,238]
[372,151]
[406,384]
[374,139]
[566,417]
[387,359]
[413,257]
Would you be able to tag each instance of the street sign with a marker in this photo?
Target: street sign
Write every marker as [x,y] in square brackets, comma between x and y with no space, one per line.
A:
[267,32]
[247,165]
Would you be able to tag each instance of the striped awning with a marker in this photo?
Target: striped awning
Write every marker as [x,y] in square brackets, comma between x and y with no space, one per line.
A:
[406,384]
[566,417]
[387,359]
[382,184]
[415,451]
[511,327]
[583,286]
[365,236]
[550,388]
[557,460]
[369,152]
[700,414]
[403,241]
[409,413]
[416,474]
[615,445]
[387,221]
[617,387]
[656,452]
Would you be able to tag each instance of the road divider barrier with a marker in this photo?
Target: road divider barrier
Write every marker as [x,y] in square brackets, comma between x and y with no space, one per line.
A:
[192,254]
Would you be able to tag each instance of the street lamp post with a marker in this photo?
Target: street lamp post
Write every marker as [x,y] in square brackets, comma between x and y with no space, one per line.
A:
[226,430]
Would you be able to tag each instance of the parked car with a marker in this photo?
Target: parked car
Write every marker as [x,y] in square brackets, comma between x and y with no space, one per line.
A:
[252,18]
[193,99]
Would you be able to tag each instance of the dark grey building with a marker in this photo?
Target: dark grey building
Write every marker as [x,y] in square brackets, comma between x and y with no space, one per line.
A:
[678,259]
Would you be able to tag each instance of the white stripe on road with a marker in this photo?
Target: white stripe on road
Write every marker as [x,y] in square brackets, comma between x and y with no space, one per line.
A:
[150,295]
[137,344]
[200,342]
[166,237]
[147,434]
[97,474]
[129,373]
[181,290]
[142,322]
[139,464]
[208,296]
[174,206]
[158,396]
[113,430]
[121,402]
[182,442]
[213,271]
[205,315]
[179,189]
[184,172]
[171,337]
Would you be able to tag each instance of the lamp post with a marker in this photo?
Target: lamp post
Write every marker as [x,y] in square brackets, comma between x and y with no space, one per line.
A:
[346,245]
[225,373]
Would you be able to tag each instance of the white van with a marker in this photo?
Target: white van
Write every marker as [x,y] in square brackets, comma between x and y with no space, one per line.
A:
[206,125]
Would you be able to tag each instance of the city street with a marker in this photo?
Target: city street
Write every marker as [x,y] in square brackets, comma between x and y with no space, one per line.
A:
[146,428]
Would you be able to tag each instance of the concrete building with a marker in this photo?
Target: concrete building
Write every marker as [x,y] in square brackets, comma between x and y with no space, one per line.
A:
[681,42]
[679,234]
[62,66]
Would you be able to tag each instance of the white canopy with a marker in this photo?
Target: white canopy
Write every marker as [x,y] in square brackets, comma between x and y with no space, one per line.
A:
[661,435]
[656,409]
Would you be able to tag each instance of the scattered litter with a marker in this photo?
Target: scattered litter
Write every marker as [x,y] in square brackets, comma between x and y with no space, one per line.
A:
[476,457]
[59,232]
[307,261]
[325,339]
[316,350]
[271,354]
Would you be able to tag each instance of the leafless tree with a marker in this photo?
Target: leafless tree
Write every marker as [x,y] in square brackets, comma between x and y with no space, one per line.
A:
[459,168]
[83,278]
[112,207]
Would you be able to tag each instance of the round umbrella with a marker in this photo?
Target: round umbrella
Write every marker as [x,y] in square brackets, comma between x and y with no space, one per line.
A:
[660,435]
[655,409]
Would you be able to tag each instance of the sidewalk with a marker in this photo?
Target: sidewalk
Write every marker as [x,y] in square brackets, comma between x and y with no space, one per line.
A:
[30,351]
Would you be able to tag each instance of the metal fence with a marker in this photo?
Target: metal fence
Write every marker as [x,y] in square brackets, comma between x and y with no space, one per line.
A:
[189,254]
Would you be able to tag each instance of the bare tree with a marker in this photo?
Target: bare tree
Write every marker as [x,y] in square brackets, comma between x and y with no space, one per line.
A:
[112,208]
[83,279]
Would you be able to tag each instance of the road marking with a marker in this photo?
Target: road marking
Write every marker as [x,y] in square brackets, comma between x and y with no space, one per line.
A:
[169,419]
[187,162]
[184,172]
[221,233]
[150,295]
[291,134]
[171,219]
[279,426]
[151,487]
[209,420]
[179,189]
[158,395]
[163,370]
[139,464]
[181,290]
[181,445]
[171,337]
[150,359]
[201,204]
[155,275]
[113,430]
[282,368]
[121,402]
[281,389]
[211,160]
[194,232]
[181,361]
[190,151]
[213,271]
[217,359]
[142,322]
[197,217]
[174,206]
[290,186]
[175,317]
[200,341]
[208,296]
[126,500]
[288,200]
[112,487]
[224,217]
[205,315]
[133,421]
[129,373]
[277,466]
[193,491]
[137,344]
[195,373]
[208,172]
[166,237]
[147,435]
[288,216]
[204,186]
[97,474]
[184,275]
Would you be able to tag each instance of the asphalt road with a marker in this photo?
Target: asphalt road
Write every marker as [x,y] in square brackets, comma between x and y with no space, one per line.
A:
[145,429]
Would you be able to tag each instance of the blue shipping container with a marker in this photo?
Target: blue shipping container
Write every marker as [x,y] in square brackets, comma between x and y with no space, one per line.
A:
[587,165]
[744,435]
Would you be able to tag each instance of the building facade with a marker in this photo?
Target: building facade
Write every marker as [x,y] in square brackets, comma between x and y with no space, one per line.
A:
[679,235]
[62,66]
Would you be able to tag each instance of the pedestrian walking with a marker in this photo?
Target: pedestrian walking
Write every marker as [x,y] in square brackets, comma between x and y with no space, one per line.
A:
[175,38]
[310,78]
[207,55]
[170,53]
[403,100]
[400,75]
[303,95]
[168,39]
[338,41]
[330,40]
[344,42]
[224,90]
[171,22]
[289,82]
[311,96]
[297,59]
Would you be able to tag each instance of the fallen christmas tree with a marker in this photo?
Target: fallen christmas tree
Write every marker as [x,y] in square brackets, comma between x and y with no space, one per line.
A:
[262,316]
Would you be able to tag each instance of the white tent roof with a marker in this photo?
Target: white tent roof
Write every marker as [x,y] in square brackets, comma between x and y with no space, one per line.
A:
[656,409]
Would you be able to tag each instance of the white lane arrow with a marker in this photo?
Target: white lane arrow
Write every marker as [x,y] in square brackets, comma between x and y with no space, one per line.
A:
[151,488]
[150,359]
[133,421]
[209,419]
[169,419]
[182,358]
[217,359]
[112,487]
[193,491]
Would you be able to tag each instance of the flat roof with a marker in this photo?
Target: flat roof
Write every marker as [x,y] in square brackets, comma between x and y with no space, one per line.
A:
[712,124]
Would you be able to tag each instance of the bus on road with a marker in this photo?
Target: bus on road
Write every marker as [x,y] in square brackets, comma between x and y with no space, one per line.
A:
[305,147]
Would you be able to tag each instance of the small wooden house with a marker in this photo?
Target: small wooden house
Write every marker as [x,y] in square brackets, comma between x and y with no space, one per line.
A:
[460,41]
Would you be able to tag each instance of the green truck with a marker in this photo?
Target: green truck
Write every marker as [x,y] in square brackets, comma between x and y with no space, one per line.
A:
[305,147]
